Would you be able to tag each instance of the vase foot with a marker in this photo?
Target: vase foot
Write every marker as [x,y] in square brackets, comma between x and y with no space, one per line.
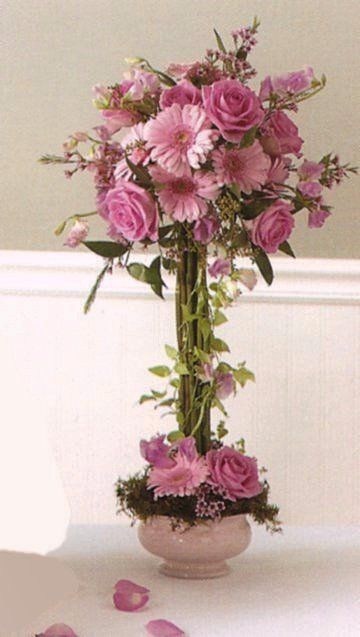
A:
[185,570]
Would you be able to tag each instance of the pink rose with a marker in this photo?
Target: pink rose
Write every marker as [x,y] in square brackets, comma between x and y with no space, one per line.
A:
[204,229]
[232,108]
[234,472]
[58,630]
[132,211]
[183,93]
[280,136]
[273,226]
[310,189]
[293,83]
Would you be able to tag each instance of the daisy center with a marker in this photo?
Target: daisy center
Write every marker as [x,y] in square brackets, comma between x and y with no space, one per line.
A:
[183,186]
[232,162]
[183,136]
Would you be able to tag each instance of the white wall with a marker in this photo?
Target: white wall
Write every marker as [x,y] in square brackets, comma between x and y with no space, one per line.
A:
[79,377]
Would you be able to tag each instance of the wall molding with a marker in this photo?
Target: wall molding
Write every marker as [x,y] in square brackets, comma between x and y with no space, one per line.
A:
[33,273]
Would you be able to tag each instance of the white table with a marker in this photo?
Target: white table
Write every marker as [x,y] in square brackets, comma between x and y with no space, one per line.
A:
[303,583]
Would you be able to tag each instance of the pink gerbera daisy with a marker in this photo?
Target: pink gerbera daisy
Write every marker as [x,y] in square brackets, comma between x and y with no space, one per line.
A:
[180,138]
[247,167]
[186,474]
[134,145]
[184,198]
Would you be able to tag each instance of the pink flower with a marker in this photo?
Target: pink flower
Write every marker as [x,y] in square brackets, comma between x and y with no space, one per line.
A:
[184,198]
[220,267]
[183,93]
[273,226]
[178,70]
[205,228]
[247,167]
[280,136]
[234,472]
[187,446]
[310,170]
[163,628]
[77,234]
[186,474]
[139,83]
[58,630]
[293,83]
[310,189]
[224,385]
[129,596]
[134,144]
[132,211]
[156,452]
[317,217]
[103,133]
[279,171]
[232,108]
[117,118]
[180,138]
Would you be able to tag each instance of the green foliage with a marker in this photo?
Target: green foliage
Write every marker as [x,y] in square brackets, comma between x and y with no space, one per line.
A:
[160,370]
[150,275]
[219,42]
[106,249]
[286,248]
[95,288]
[263,262]
[137,501]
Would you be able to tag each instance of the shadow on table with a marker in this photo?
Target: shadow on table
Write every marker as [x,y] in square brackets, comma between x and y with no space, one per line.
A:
[29,585]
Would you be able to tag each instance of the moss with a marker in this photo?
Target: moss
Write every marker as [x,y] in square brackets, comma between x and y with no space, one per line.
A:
[137,501]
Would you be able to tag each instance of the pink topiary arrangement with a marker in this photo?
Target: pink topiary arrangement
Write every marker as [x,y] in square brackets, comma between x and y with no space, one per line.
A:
[210,171]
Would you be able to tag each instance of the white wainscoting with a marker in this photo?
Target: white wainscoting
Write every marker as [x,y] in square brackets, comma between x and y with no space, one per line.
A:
[80,376]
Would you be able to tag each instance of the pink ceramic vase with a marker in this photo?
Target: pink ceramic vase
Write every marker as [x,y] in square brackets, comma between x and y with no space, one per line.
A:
[197,552]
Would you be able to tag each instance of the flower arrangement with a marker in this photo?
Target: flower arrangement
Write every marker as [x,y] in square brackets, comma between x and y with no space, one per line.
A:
[210,171]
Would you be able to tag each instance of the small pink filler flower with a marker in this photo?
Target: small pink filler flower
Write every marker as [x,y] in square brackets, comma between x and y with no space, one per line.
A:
[180,138]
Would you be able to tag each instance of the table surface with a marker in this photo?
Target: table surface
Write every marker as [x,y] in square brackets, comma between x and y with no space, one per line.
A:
[304,582]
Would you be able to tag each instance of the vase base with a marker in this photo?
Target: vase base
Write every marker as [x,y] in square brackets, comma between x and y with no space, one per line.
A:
[185,570]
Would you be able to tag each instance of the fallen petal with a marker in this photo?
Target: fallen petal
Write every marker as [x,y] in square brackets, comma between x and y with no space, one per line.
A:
[129,596]
[58,630]
[163,628]
[127,587]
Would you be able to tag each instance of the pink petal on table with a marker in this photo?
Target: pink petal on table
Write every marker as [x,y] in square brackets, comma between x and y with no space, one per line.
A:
[127,587]
[58,630]
[163,628]
[129,596]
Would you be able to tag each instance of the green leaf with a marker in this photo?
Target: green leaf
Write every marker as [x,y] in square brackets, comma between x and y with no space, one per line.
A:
[92,295]
[106,249]
[138,271]
[175,383]
[164,231]
[254,209]
[181,369]
[219,345]
[145,397]
[60,229]
[287,249]
[141,174]
[249,137]
[204,357]
[160,370]
[219,41]
[165,403]
[221,430]
[243,375]
[263,263]
[171,352]
[219,318]
[205,328]
[173,436]
[217,403]
[158,394]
